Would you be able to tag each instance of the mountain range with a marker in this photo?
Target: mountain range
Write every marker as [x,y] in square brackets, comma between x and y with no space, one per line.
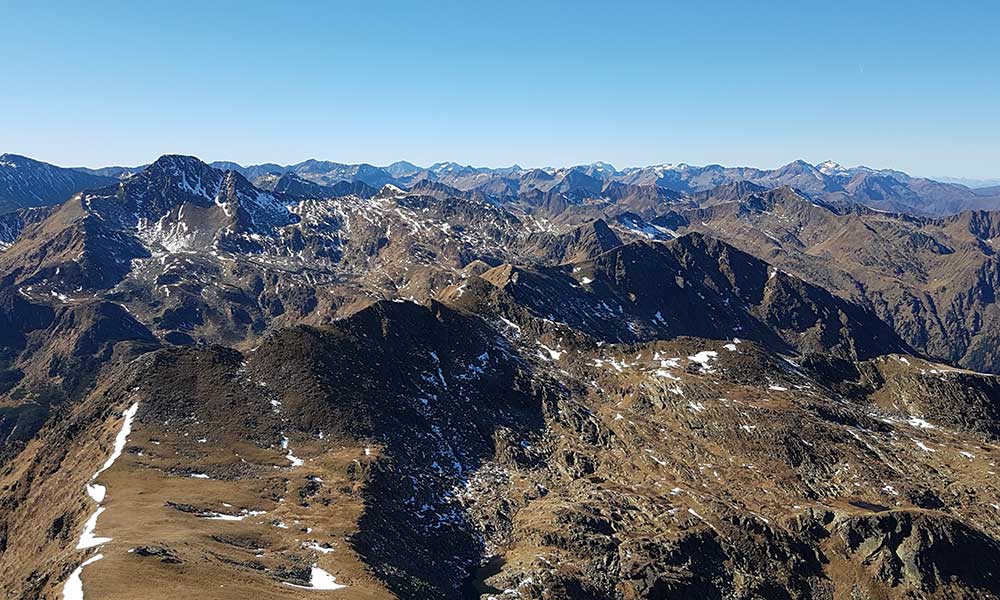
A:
[25,182]
[454,382]
[828,181]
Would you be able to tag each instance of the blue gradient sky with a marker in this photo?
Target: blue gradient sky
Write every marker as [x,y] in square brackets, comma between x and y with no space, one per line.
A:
[912,85]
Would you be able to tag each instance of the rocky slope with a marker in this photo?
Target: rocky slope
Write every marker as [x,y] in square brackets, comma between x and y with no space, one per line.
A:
[510,456]
[932,280]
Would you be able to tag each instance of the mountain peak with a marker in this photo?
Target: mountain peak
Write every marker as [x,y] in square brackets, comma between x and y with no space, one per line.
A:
[798,165]
[389,191]
[403,168]
[16,160]
[188,172]
[179,162]
[828,167]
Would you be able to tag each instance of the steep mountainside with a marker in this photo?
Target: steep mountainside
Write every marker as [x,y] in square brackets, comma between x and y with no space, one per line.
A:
[932,280]
[693,286]
[12,223]
[26,183]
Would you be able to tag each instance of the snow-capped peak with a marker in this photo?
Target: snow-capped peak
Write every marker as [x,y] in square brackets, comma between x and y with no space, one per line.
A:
[830,167]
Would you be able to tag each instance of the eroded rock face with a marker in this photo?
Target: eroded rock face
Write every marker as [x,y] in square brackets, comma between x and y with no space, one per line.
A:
[921,552]
[933,280]
[958,398]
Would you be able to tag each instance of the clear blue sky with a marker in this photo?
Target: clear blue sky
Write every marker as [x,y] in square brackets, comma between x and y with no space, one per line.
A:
[911,85]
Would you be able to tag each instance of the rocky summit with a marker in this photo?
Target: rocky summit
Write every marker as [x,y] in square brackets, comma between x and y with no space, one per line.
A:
[327,380]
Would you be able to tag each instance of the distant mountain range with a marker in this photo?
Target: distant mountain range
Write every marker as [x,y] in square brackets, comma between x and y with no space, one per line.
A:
[968,182]
[26,182]
[884,189]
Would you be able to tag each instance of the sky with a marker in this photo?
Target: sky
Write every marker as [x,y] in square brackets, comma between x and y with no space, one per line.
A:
[908,85]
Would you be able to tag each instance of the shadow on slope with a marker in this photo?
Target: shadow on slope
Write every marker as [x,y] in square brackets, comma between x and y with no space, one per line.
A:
[441,394]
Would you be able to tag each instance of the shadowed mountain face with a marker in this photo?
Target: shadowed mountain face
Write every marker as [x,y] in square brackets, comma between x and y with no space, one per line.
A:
[454,382]
[292,184]
[12,223]
[26,183]
[932,280]
[693,286]
[433,388]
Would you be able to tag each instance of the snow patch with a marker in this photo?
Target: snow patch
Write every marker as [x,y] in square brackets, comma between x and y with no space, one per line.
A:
[553,354]
[88,539]
[120,440]
[295,460]
[704,358]
[96,492]
[73,588]
[319,580]
[317,547]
